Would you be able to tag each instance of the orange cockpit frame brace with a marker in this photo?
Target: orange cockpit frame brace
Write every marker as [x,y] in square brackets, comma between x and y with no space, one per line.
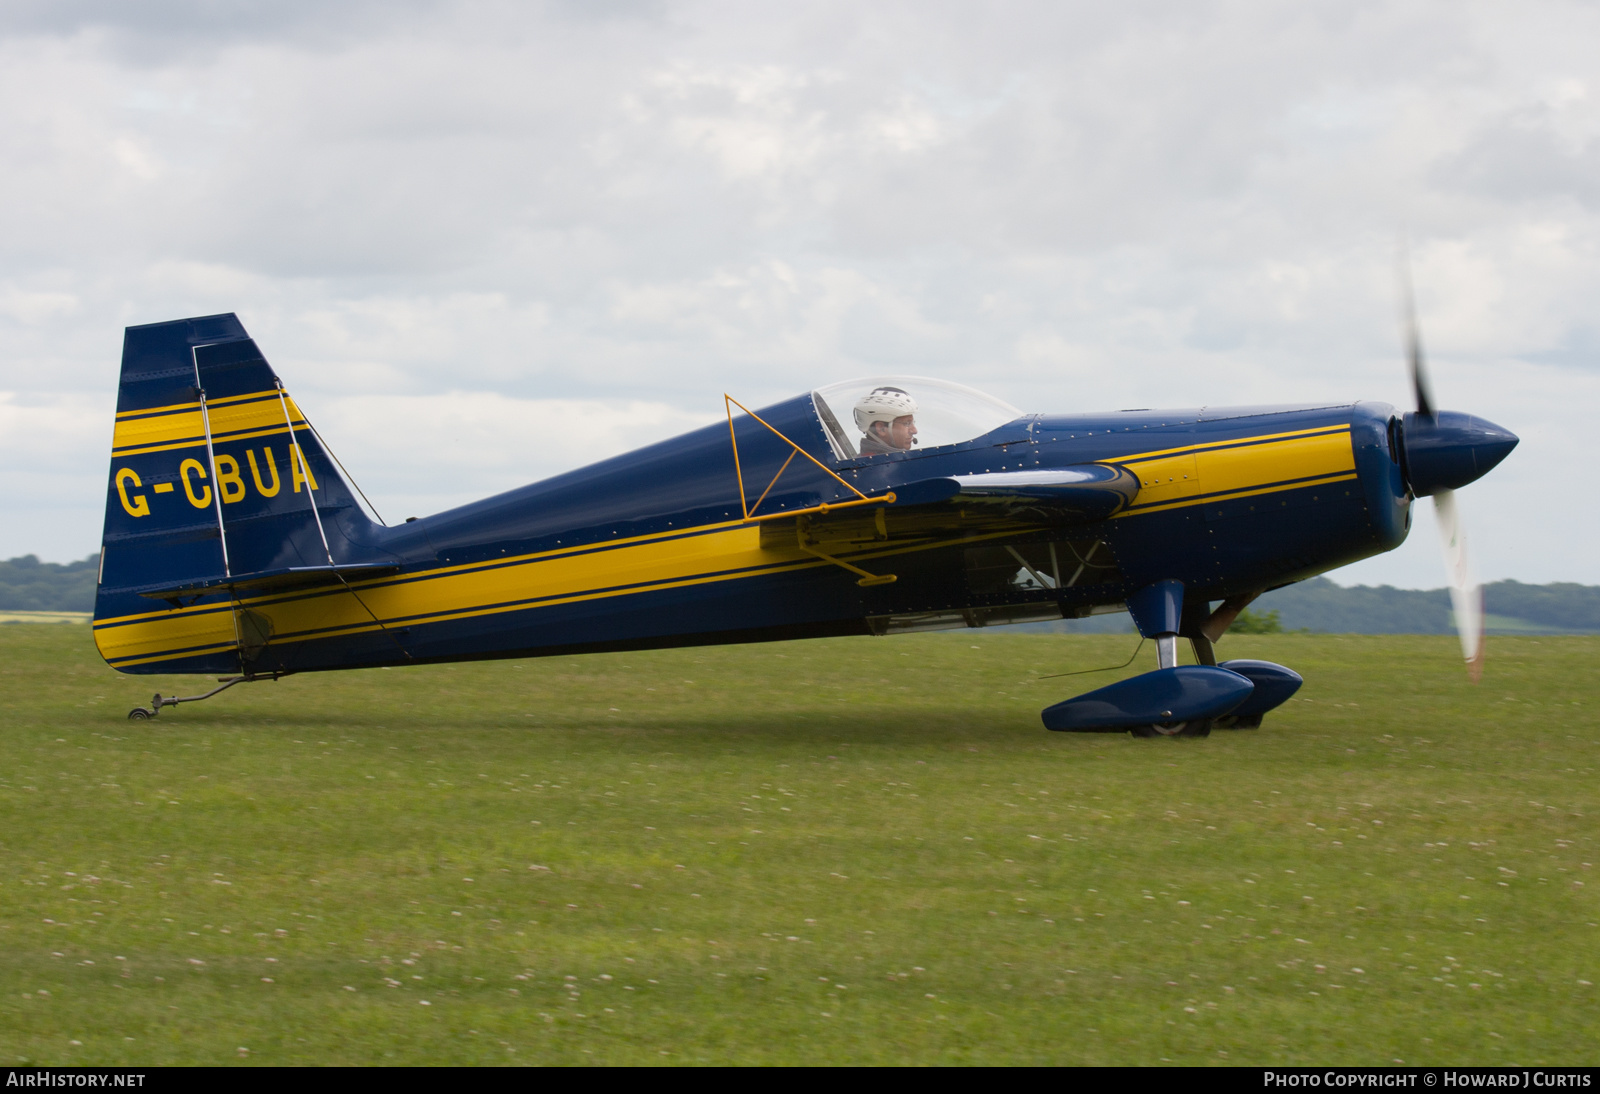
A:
[729,402]
[750,516]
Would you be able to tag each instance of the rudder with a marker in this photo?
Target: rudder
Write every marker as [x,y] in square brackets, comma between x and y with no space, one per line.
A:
[218,484]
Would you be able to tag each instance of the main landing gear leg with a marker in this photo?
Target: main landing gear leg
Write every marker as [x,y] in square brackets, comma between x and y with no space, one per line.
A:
[1172,701]
[139,714]
[1157,611]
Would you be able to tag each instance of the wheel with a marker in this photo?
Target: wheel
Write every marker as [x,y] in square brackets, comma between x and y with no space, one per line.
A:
[1231,721]
[1197,727]
[138,714]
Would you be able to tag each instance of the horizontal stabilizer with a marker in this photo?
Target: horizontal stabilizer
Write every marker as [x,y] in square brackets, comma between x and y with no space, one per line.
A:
[266,581]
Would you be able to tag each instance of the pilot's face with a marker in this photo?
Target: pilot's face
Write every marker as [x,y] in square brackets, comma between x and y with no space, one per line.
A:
[901,432]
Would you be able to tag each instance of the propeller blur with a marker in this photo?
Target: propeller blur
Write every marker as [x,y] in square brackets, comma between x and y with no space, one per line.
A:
[1443,452]
[1466,593]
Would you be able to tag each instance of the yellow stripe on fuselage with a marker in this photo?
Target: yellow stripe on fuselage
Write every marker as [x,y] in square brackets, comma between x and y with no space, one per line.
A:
[647,564]
[712,553]
[716,553]
[1202,473]
[237,417]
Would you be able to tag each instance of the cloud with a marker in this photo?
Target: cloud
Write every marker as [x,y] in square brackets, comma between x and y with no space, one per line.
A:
[1524,158]
[481,206]
[53,491]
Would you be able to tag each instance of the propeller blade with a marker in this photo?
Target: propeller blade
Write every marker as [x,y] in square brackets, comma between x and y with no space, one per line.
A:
[1420,387]
[1466,594]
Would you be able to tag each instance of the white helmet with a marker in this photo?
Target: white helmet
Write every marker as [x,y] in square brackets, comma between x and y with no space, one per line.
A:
[883,404]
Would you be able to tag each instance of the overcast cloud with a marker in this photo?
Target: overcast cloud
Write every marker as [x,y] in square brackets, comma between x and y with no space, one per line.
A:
[487,242]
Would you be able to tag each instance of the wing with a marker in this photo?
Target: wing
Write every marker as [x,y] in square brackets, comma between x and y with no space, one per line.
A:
[960,507]
[1087,492]
[1079,494]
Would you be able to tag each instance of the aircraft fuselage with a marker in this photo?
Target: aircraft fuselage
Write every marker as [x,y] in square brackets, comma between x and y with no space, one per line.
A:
[652,548]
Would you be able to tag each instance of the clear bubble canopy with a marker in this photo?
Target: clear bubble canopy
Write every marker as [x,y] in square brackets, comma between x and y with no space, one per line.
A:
[946,412]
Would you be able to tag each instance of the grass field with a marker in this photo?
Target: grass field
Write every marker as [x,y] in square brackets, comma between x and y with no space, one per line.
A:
[853,850]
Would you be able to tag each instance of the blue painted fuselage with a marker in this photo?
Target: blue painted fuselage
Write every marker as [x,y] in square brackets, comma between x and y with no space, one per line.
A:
[654,548]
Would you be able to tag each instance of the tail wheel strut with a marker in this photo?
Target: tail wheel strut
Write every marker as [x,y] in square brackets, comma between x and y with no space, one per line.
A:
[157,701]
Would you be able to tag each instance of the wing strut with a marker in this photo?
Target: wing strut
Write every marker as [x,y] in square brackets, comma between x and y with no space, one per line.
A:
[311,496]
[211,457]
[866,578]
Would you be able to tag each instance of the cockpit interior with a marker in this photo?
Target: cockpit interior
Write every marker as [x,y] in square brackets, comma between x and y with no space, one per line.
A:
[884,415]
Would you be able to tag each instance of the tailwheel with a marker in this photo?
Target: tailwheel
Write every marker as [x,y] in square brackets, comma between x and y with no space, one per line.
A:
[140,714]
[1195,727]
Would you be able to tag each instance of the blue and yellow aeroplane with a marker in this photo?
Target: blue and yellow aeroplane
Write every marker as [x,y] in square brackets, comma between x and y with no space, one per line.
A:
[235,545]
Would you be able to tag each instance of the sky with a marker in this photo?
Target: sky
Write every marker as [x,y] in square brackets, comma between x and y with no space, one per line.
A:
[486,242]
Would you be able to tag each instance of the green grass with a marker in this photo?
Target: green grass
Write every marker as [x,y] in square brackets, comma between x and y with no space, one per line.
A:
[854,850]
[1506,624]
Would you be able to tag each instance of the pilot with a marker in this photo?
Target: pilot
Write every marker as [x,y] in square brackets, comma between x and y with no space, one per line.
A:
[886,417]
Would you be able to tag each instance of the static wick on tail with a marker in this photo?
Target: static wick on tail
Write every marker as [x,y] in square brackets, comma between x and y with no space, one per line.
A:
[1466,592]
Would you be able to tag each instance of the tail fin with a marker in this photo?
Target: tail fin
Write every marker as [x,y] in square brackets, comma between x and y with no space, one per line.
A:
[217,482]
